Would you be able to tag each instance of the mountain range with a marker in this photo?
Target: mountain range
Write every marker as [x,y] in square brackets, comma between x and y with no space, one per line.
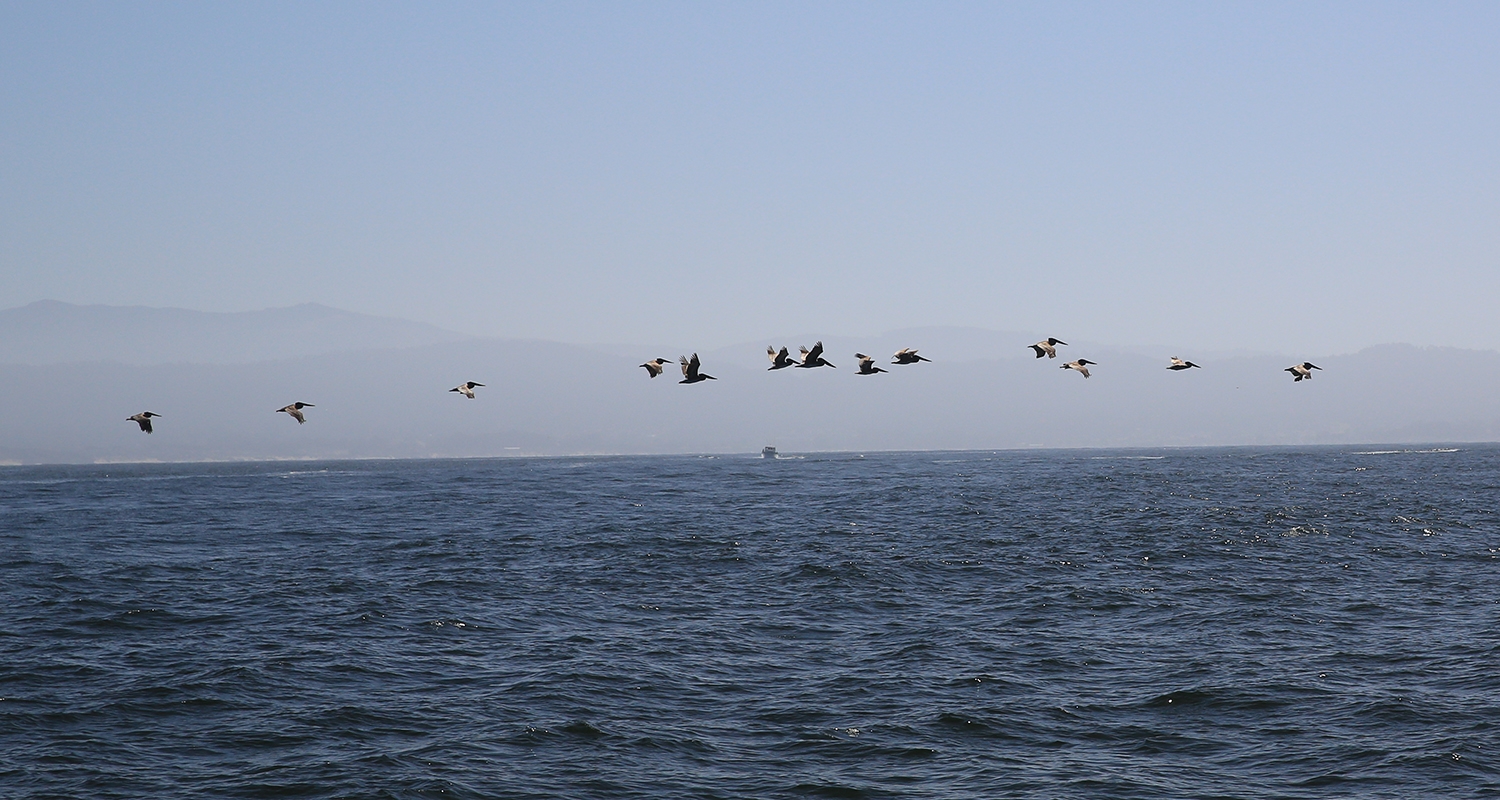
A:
[50,332]
[70,375]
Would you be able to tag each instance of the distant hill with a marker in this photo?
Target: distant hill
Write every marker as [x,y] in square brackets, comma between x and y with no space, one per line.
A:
[50,332]
[550,398]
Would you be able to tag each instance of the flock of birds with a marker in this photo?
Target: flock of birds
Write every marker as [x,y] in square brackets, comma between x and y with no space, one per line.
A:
[812,358]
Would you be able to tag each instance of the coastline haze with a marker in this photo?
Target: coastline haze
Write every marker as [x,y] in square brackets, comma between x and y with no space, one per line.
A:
[379,386]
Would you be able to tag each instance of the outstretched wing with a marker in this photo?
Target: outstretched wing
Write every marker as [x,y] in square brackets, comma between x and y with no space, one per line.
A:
[815,352]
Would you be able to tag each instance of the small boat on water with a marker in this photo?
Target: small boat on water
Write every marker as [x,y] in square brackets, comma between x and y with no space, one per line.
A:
[768,452]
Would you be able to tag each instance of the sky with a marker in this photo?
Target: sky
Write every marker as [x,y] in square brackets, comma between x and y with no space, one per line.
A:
[1273,177]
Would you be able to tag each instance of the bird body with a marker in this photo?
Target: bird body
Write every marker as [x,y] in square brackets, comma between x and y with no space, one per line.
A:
[143,419]
[690,373]
[656,366]
[906,355]
[1047,347]
[779,358]
[466,389]
[867,365]
[814,357]
[1081,366]
[295,411]
[1302,371]
[1179,364]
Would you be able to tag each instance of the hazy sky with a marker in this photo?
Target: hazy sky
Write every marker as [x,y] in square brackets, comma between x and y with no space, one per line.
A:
[1305,177]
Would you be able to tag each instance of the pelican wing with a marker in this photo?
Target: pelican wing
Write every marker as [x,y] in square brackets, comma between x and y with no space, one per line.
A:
[815,352]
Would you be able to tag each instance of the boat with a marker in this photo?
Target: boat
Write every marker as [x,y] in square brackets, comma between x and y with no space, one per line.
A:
[768,452]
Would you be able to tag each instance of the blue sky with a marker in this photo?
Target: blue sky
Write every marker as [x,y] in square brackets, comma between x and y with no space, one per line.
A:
[1278,177]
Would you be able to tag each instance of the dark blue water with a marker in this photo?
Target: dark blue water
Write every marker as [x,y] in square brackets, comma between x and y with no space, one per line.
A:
[1205,623]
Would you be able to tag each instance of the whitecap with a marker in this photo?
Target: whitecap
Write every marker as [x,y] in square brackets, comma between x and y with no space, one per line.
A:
[1398,452]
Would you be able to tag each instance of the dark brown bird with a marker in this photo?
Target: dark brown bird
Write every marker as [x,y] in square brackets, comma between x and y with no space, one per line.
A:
[779,358]
[690,373]
[1081,365]
[466,389]
[143,419]
[867,365]
[295,411]
[656,366]
[1302,371]
[1047,347]
[814,357]
[906,355]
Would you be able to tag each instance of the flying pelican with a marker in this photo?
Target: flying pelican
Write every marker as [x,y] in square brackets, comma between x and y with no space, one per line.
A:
[1302,371]
[867,365]
[906,355]
[295,410]
[779,359]
[466,389]
[814,357]
[143,419]
[1082,365]
[1179,364]
[656,366]
[1047,347]
[690,373]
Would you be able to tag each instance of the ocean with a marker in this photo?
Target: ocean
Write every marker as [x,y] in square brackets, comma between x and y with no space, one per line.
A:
[1200,623]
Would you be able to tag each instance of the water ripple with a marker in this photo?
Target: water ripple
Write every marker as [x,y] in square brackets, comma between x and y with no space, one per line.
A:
[1186,623]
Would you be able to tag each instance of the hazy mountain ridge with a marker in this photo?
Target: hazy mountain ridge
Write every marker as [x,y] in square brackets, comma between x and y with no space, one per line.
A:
[549,398]
[385,395]
[52,332]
